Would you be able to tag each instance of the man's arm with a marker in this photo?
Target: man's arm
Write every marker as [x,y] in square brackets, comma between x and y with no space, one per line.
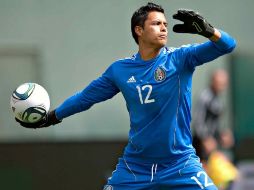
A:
[197,54]
[219,43]
[97,91]
[194,23]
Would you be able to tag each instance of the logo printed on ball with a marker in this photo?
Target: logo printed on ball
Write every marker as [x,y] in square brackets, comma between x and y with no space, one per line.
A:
[23,91]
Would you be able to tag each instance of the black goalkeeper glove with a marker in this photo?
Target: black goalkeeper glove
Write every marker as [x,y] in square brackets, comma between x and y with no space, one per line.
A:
[192,23]
[48,120]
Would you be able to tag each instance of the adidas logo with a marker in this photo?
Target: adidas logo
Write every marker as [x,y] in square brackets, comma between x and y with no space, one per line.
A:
[130,80]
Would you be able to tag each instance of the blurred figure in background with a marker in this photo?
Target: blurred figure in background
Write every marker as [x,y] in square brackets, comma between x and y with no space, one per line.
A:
[207,116]
[210,139]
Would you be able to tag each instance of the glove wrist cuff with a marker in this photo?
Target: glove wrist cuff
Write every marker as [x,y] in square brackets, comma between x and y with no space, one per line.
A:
[209,32]
[52,118]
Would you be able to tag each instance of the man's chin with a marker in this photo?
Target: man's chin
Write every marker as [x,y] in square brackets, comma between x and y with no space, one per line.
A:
[160,45]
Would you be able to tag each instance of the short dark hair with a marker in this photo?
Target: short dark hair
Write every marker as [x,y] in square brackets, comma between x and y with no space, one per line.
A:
[139,17]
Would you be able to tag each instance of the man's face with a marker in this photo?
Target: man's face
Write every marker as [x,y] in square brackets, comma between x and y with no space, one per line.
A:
[219,81]
[154,33]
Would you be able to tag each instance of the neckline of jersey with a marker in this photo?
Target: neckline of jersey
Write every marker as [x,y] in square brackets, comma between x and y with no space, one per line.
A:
[150,61]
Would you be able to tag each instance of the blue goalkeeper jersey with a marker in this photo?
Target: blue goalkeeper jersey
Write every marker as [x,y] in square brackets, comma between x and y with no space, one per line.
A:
[158,98]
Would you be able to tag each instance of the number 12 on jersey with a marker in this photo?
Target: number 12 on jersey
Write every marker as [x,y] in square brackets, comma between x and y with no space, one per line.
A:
[144,95]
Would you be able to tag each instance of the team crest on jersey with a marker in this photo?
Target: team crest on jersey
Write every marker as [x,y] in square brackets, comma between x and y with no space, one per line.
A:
[108,187]
[160,74]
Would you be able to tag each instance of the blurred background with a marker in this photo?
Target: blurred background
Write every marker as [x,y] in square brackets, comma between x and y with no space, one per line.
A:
[63,45]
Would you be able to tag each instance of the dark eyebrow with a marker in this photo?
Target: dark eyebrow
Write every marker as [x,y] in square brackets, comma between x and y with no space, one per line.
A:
[158,21]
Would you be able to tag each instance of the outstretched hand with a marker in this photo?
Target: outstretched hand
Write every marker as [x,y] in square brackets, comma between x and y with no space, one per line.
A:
[192,23]
[48,120]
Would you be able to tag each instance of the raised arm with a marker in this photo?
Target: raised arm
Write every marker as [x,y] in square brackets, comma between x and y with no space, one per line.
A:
[219,43]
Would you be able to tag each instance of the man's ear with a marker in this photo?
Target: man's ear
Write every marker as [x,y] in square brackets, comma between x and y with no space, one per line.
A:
[138,30]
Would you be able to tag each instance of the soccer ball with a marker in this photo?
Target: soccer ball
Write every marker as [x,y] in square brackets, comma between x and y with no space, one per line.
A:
[30,102]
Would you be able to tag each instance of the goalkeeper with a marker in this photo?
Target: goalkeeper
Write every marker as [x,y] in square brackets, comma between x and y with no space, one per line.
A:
[156,83]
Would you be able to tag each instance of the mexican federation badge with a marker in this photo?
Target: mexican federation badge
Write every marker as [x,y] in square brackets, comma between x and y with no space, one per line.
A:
[159,74]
